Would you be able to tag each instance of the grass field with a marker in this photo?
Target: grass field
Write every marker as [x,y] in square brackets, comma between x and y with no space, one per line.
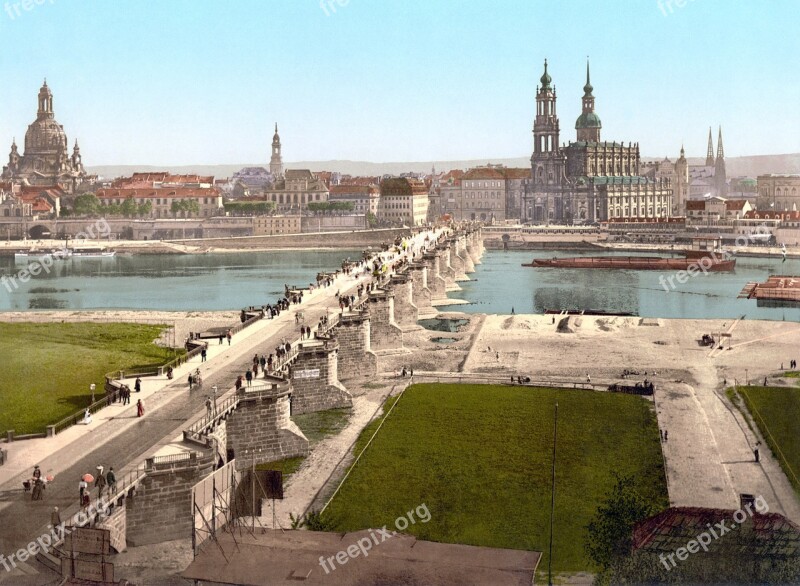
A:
[47,368]
[479,457]
[321,424]
[776,411]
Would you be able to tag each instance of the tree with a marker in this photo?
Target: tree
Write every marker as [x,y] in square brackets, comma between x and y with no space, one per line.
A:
[129,207]
[86,205]
[249,207]
[188,206]
[372,220]
[144,209]
[610,532]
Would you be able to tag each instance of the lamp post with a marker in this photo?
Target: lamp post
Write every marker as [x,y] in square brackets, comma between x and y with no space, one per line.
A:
[92,388]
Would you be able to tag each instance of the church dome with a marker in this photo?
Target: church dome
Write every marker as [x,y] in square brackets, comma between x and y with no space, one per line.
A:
[588,120]
[45,135]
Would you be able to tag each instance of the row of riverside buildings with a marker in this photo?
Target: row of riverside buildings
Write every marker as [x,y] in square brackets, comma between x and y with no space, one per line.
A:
[585,181]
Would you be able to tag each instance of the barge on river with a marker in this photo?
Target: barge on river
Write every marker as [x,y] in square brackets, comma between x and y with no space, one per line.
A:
[639,263]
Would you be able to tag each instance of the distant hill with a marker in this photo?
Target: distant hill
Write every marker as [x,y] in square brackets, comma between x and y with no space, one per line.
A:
[750,166]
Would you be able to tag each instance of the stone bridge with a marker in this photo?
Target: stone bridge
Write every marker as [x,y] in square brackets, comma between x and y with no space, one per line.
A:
[251,425]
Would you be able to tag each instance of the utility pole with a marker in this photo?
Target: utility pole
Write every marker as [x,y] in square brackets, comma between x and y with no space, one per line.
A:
[552,499]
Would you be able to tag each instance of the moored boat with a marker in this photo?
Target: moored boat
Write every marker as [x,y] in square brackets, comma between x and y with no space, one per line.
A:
[638,263]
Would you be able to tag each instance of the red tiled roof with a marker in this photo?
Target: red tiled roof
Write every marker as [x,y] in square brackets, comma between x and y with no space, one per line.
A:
[517,173]
[484,173]
[771,215]
[696,205]
[403,186]
[354,190]
[670,220]
[41,205]
[149,193]
[735,204]
[675,526]
[144,180]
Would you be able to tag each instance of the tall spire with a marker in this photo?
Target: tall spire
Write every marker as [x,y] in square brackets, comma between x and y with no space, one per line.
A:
[720,150]
[276,161]
[587,89]
[710,152]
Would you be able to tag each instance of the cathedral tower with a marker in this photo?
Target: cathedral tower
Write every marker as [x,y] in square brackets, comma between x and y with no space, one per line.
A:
[681,191]
[710,151]
[548,162]
[720,175]
[276,162]
[588,124]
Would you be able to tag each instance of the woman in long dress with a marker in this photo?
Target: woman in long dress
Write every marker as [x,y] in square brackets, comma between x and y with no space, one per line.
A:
[139,408]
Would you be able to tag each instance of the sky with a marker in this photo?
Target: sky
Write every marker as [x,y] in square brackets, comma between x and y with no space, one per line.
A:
[183,82]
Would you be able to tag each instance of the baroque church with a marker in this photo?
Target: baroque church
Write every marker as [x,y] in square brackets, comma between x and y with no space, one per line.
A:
[46,160]
[588,180]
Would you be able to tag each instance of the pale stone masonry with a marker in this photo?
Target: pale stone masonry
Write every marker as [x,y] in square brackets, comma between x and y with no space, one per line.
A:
[260,430]
[421,294]
[315,378]
[356,358]
[436,281]
[161,509]
[385,333]
[406,313]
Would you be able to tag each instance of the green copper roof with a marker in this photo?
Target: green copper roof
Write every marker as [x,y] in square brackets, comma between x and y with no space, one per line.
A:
[588,120]
[546,79]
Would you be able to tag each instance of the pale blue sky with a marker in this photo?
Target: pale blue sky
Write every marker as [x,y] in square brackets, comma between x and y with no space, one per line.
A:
[183,82]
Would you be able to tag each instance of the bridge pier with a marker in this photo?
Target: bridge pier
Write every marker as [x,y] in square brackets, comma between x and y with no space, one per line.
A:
[420,293]
[356,357]
[406,312]
[259,429]
[469,265]
[385,333]
[315,378]
[457,262]
[446,270]
[436,281]
[161,509]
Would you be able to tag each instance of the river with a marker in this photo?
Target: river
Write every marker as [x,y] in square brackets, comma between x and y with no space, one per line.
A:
[229,281]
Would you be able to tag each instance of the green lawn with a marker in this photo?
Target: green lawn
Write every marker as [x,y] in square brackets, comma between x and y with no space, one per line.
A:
[47,368]
[288,466]
[776,411]
[321,424]
[479,457]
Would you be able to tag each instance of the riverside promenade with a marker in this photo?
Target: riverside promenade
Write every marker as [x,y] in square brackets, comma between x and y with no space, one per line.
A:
[118,438]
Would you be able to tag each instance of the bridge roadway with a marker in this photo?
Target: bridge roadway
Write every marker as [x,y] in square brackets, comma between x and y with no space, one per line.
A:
[166,415]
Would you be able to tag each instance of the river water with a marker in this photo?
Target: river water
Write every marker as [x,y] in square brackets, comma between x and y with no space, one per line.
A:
[168,282]
[500,283]
[228,281]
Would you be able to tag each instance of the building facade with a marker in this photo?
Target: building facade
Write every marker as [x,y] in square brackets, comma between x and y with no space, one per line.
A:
[588,180]
[404,200]
[46,160]
[296,189]
[272,225]
[363,197]
[778,193]
[208,200]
